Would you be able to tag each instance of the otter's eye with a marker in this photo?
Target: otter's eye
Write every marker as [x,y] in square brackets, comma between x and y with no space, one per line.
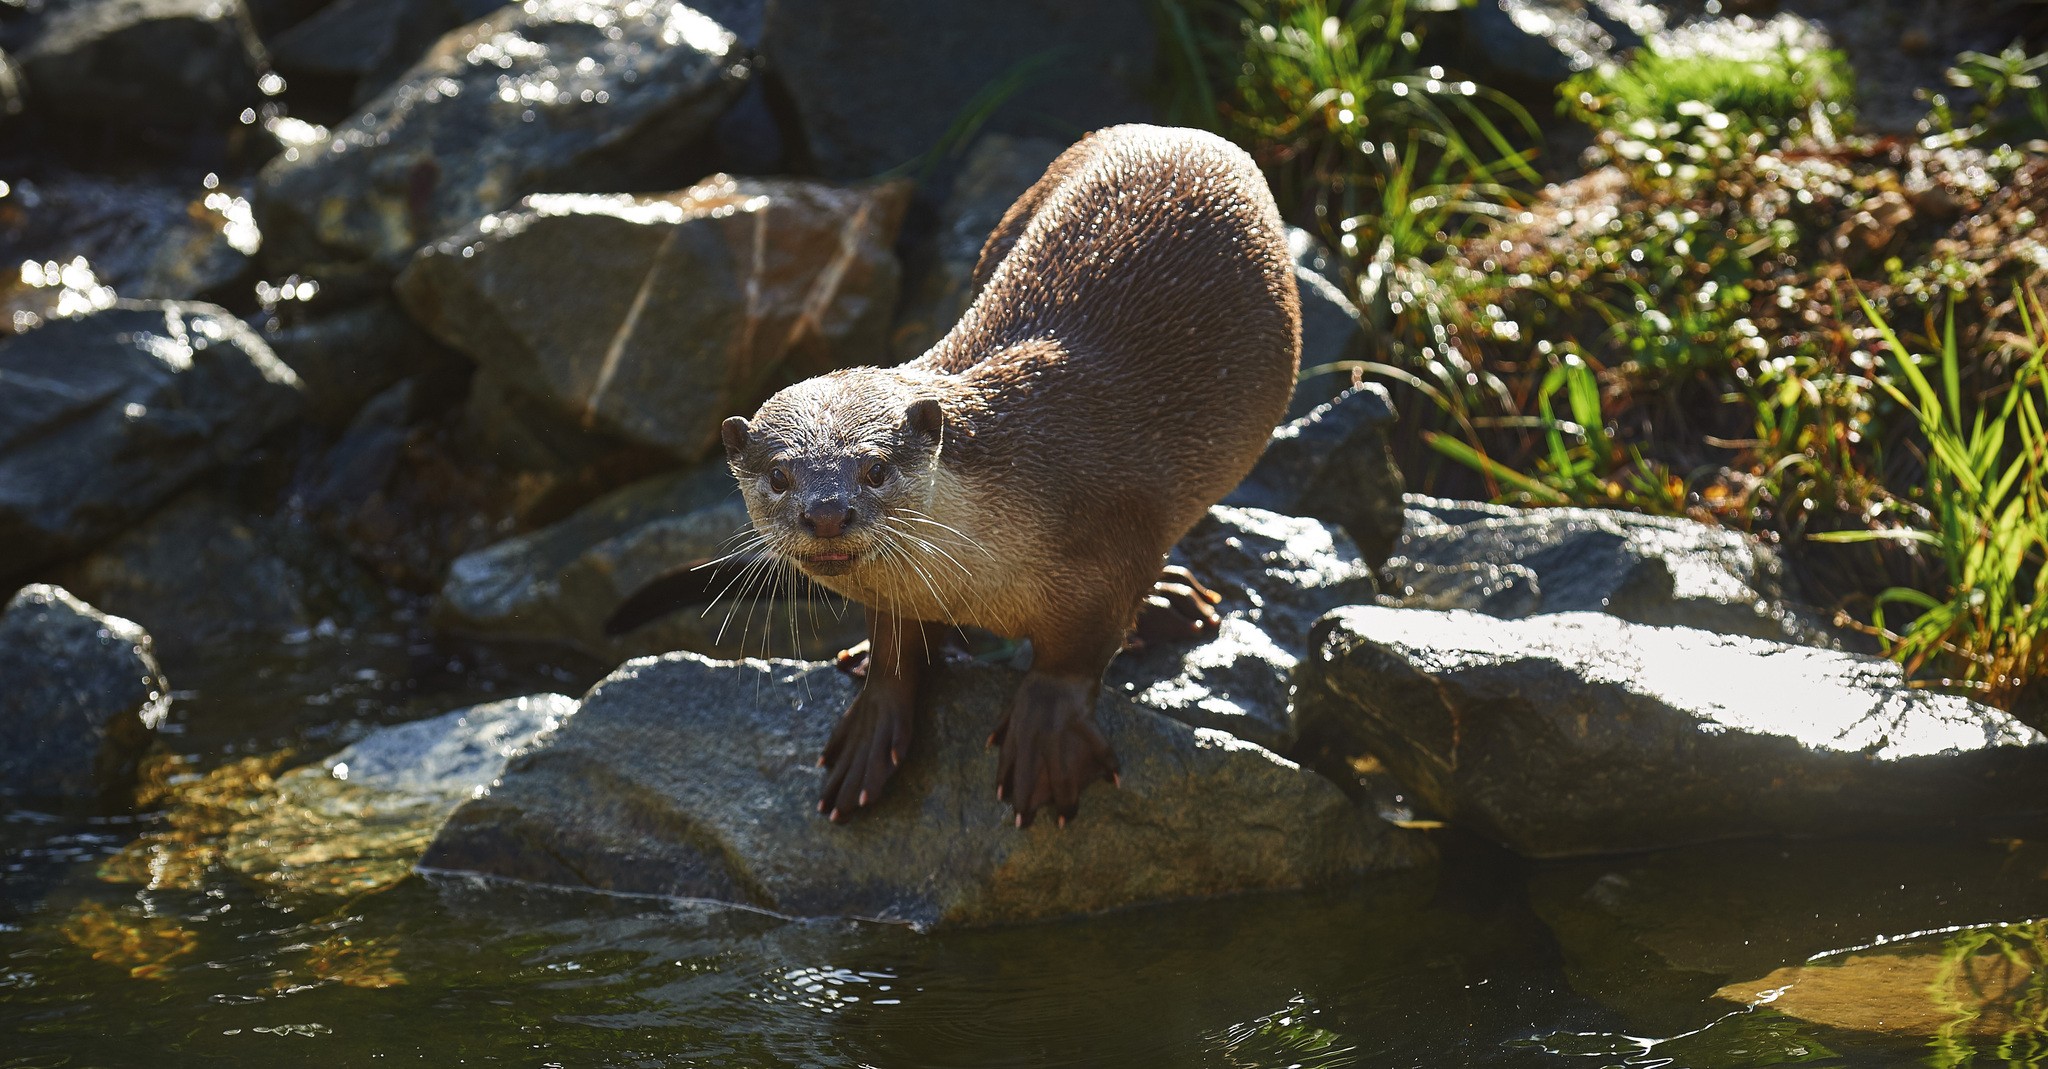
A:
[876,474]
[778,480]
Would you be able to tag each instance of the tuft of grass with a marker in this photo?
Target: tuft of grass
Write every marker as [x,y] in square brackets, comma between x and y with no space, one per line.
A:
[1581,462]
[1984,513]
[1773,91]
[1393,160]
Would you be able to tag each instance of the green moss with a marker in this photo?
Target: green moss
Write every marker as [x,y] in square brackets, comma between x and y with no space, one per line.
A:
[1775,90]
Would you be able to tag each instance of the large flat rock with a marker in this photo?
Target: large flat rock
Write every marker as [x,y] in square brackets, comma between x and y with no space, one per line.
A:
[1579,733]
[1508,561]
[687,777]
[687,307]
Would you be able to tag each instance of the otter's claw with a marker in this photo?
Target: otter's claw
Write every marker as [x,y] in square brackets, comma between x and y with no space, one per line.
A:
[1051,748]
[864,750]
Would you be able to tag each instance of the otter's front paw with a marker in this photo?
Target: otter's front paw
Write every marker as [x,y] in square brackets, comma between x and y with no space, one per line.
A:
[1051,748]
[866,746]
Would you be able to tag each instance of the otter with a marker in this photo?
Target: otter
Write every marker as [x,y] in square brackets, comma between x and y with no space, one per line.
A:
[1132,342]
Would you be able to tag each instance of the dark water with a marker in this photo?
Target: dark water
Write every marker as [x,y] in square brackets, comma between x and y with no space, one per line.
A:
[1486,962]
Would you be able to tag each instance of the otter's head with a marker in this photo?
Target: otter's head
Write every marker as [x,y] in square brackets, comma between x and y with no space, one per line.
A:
[825,463]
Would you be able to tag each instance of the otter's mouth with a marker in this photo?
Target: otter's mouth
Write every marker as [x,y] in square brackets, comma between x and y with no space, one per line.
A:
[831,562]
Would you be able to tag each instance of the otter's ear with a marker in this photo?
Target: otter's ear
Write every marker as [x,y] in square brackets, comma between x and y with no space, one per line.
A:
[734,432]
[926,418]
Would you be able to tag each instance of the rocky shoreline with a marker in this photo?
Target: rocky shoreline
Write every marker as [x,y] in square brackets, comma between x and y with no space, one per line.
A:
[501,301]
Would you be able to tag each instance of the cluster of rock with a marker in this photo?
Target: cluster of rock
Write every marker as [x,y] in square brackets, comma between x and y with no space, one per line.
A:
[485,368]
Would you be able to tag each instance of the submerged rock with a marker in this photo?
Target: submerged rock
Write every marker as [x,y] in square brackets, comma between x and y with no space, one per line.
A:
[877,84]
[352,823]
[153,69]
[105,416]
[80,696]
[1276,575]
[1648,569]
[358,820]
[687,306]
[552,94]
[564,582]
[1655,935]
[1334,464]
[1578,733]
[699,779]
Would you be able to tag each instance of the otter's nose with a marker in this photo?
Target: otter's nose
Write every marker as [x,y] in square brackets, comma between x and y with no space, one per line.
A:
[827,518]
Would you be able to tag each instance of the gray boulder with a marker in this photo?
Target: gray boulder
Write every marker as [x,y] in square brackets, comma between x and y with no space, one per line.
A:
[1277,575]
[687,307]
[564,582]
[1579,733]
[1334,464]
[80,697]
[151,69]
[202,568]
[347,356]
[87,239]
[1546,41]
[939,272]
[699,779]
[105,416]
[1331,329]
[547,95]
[1650,569]
[878,84]
[369,43]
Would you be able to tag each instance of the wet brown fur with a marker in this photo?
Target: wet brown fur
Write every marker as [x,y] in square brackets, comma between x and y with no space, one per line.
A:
[1132,343]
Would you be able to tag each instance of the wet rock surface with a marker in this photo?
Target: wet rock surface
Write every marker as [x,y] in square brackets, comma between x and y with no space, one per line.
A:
[93,239]
[1648,569]
[1579,733]
[548,95]
[367,44]
[1276,574]
[352,823]
[687,777]
[687,307]
[80,696]
[105,416]
[148,69]
[350,355]
[1334,464]
[357,820]
[564,582]
[875,85]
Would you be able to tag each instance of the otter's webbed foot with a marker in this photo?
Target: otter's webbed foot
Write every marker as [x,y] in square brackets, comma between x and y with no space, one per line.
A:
[1051,748]
[867,745]
[1178,609]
